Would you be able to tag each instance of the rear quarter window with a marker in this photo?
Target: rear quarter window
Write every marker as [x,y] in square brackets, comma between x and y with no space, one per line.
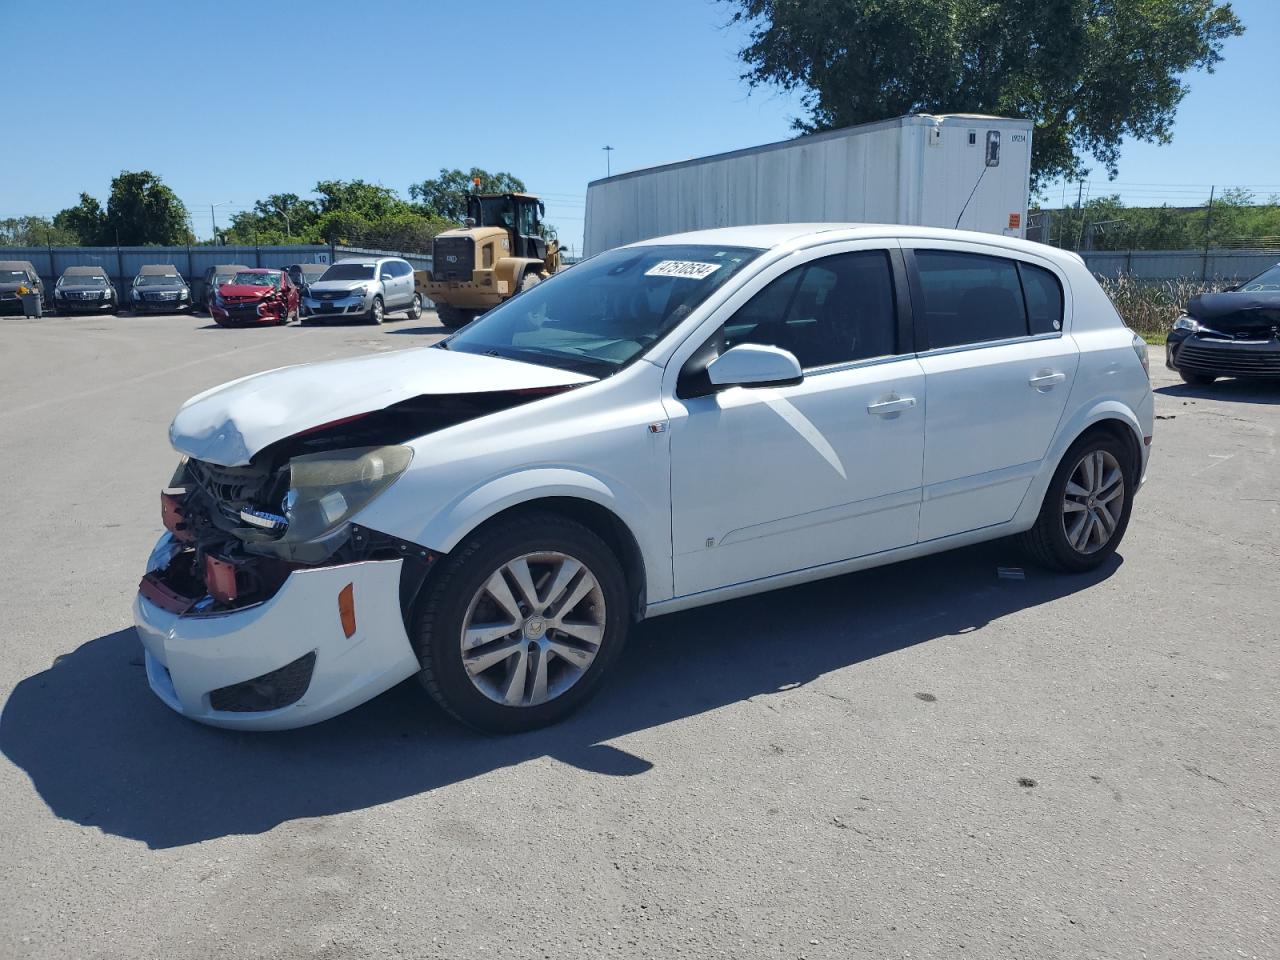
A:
[1044,299]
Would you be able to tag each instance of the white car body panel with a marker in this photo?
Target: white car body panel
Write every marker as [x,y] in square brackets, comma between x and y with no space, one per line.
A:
[733,493]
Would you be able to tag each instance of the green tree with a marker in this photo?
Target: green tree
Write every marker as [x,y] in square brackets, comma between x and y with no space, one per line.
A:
[280,218]
[142,210]
[369,200]
[1089,73]
[85,221]
[35,232]
[445,196]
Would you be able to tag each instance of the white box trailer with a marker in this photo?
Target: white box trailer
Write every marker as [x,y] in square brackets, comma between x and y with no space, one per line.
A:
[938,171]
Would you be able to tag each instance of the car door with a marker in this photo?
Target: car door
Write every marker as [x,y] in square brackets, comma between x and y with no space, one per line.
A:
[404,283]
[771,480]
[998,369]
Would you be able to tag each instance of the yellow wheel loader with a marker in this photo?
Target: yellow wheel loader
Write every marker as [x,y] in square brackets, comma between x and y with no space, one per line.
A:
[498,253]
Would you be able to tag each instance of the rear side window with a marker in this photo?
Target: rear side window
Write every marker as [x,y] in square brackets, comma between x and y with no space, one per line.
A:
[1044,298]
[970,298]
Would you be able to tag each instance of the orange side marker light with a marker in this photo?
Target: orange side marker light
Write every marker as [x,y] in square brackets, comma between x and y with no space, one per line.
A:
[347,609]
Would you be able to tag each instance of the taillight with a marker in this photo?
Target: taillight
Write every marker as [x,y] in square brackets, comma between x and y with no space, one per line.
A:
[1140,348]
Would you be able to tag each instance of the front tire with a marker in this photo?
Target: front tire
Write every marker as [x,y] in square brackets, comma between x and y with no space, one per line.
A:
[1086,508]
[377,312]
[451,318]
[521,622]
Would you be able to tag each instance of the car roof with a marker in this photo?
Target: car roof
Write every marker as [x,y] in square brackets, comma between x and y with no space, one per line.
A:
[225,267]
[17,265]
[258,270]
[84,272]
[158,270]
[768,236]
[364,261]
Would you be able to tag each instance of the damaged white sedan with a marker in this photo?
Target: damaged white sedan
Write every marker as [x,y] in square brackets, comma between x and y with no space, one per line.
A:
[666,425]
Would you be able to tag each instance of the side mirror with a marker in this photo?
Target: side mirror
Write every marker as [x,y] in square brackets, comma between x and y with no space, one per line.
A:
[754,365]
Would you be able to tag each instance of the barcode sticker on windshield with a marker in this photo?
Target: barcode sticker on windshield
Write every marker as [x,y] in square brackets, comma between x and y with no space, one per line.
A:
[689,269]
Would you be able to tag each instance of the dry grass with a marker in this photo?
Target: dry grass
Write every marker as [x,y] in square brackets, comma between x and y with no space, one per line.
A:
[1150,307]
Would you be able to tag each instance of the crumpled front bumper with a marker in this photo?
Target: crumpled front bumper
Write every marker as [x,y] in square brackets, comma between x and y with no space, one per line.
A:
[189,657]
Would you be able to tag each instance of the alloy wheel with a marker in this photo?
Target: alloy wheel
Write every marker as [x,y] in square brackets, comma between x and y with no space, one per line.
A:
[1093,501]
[533,629]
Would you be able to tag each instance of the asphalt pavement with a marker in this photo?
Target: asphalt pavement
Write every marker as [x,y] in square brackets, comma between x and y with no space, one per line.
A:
[929,760]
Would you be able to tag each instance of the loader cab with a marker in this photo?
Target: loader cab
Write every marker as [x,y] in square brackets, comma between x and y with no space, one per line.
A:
[517,213]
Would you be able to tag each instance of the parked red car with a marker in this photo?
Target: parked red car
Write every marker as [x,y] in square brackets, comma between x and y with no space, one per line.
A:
[255,297]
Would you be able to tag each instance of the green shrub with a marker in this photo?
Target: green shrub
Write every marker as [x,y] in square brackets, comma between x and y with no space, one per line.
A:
[1150,307]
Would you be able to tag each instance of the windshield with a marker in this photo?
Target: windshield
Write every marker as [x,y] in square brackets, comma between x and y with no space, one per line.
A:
[349,271]
[495,212]
[157,280]
[83,281]
[605,311]
[13,276]
[257,279]
[1268,282]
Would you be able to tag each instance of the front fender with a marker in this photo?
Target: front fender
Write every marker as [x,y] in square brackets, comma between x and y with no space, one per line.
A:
[457,518]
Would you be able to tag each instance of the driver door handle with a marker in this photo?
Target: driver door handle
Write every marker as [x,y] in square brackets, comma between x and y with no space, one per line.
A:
[894,405]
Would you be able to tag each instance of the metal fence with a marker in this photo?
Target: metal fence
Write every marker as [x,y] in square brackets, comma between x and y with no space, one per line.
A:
[122,264]
[1177,264]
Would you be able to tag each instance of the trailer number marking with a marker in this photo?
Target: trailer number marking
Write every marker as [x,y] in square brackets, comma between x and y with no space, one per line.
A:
[689,269]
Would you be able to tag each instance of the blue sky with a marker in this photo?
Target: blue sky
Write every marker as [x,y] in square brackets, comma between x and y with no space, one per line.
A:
[392,91]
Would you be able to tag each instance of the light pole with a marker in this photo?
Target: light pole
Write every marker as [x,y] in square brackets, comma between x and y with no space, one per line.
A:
[213,217]
[608,164]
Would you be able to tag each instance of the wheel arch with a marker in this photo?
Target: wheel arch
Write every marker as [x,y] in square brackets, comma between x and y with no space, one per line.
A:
[1107,416]
[601,521]
[583,498]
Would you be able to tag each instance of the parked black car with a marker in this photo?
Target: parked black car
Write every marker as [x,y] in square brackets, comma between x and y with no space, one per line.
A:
[215,277]
[159,288]
[13,275]
[84,290]
[303,274]
[1231,334]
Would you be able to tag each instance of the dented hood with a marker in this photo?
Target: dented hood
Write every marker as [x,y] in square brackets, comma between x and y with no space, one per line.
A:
[246,290]
[229,424]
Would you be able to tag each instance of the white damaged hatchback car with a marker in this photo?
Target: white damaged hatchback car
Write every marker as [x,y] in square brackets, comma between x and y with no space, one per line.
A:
[668,424]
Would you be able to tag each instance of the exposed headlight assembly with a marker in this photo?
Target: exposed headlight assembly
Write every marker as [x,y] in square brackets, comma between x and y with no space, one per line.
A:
[325,489]
[1185,322]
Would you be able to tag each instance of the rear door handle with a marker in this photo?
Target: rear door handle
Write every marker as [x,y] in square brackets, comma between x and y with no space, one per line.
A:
[889,407]
[1042,381]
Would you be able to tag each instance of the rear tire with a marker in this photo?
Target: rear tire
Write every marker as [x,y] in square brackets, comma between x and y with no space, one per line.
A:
[1196,379]
[471,685]
[1079,507]
[528,281]
[415,307]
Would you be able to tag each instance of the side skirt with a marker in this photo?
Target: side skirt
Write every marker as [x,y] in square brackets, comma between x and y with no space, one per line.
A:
[839,568]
